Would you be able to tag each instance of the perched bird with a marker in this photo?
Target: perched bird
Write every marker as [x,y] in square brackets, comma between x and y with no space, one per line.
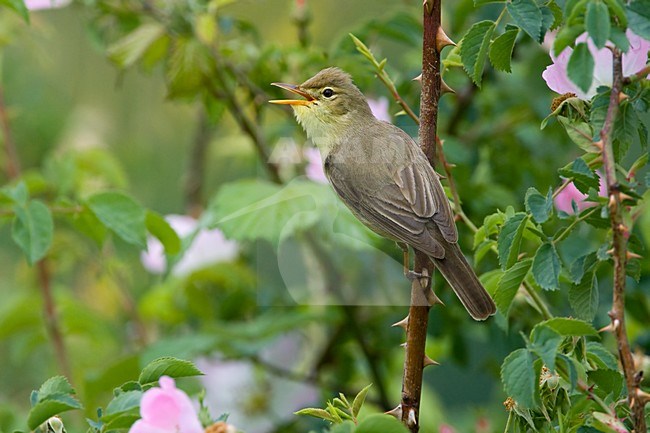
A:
[384,178]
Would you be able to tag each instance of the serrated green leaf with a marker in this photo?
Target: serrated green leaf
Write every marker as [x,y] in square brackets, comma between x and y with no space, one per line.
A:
[583,177]
[566,367]
[509,285]
[638,15]
[546,267]
[358,400]
[381,423]
[599,355]
[597,23]
[626,126]
[121,214]
[545,342]
[509,239]
[580,68]
[33,229]
[539,206]
[316,413]
[581,133]
[474,49]
[53,405]
[518,377]
[581,266]
[53,386]
[187,66]
[528,16]
[569,327]
[167,366]
[125,403]
[17,6]
[160,228]
[501,50]
[130,48]
[583,297]
[566,37]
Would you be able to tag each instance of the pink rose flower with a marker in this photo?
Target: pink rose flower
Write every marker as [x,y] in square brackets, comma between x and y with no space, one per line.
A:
[563,201]
[207,248]
[166,410]
[314,169]
[379,108]
[35,5]
[635,59]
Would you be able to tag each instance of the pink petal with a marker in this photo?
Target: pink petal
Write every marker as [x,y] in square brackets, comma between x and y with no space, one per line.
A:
[314,170]
[379,108]
[141,426]
[637,56]
[563,201]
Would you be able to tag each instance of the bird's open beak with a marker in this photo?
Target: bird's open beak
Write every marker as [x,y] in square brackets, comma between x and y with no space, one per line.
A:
[294,89]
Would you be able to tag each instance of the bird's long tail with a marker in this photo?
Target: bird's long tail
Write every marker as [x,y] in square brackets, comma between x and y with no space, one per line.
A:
[463,280]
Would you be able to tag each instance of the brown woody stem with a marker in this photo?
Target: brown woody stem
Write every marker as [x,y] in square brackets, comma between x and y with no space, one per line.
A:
[620,233]
[416,331]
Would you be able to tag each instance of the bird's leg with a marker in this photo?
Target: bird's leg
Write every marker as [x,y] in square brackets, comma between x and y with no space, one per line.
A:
[408,273]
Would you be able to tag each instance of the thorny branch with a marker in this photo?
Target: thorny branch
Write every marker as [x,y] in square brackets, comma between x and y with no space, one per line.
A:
[620,234]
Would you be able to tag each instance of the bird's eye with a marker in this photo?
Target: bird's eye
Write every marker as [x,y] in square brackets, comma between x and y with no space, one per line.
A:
[328,92]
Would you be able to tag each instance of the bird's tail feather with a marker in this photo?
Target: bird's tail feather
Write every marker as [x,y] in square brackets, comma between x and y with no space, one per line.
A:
[463,280]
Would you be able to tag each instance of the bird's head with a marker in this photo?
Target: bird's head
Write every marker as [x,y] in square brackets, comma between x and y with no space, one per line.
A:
[331,104]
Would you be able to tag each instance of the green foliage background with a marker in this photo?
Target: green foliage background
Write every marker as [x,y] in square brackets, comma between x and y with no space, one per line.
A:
[84,126]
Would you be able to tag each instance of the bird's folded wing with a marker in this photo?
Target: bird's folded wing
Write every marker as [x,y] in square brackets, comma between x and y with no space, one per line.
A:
[421,188]
[389,213]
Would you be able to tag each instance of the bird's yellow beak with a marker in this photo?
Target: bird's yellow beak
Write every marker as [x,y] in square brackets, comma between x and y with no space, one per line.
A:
[294,89]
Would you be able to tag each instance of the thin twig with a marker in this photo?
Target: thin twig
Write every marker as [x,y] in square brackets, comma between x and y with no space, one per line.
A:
[245,123]
[640,75]
[195,177]
[620,234]
[52,324]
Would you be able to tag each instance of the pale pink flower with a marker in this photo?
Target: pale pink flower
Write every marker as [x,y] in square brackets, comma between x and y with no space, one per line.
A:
[35,5]
[314,169]
[166,410]
[208,247]
[379,108]
[635,59]
[446,428]
[563,201]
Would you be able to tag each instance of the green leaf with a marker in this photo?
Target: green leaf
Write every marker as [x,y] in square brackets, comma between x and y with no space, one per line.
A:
[160,228]
[581,133]
[358,400]
[255,209]
[474,49]
[53,386]
[124,403]
[626,126]
[619,38]
[598,23]
[569,327]
[33,229]
[539,206]
[167,366]
[607,423]
[381,423]
[599,355]
[546,267]
[509,285]
[87,223]
[638,15]
[17,6]
[54,404]
[123,215]
[501,50]
[566,37]
[527,15]
[344,427]
[610,381]
[18,192]
[518,377]
[583,297]
[316,413]
[581,67]
[187,66]
[509,239]
[545,342]
[617,7]
[583,177]
[130,48]
[566,367]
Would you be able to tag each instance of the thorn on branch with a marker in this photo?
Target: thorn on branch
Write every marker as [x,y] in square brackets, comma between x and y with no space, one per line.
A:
[442,40]
[402,323]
